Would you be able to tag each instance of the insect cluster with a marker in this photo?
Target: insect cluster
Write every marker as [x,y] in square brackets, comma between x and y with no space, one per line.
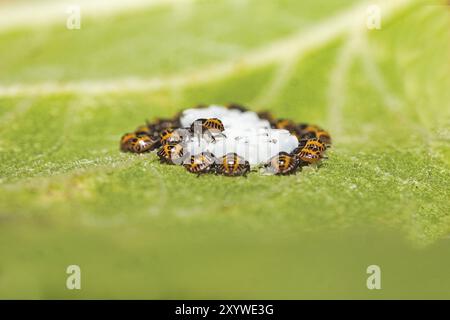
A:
[174,142]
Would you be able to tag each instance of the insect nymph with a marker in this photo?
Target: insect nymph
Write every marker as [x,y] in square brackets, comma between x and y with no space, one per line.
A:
[174,136]
[315,145]
[138,144]
[310,151]
[305,132]
[282,164]
[210,127]
[125,140]
[209,124]
[171,153]
[232,165]
[323,136]
[201,163]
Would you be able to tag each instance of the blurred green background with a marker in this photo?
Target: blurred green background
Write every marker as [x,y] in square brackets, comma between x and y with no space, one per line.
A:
[139,229]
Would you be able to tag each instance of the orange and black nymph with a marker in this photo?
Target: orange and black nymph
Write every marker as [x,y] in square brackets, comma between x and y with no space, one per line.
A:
[232,165]
[315,145]
[210,127]
[171,153]
[306,131]
[306,156]
[174,135]
[323,136]
[138,144]
[201,163]
[125,140]
[282,164]
[212,124]
[285,124]
[159,125]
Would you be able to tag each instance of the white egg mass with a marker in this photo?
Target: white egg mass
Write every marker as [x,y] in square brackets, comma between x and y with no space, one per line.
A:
[245,134]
